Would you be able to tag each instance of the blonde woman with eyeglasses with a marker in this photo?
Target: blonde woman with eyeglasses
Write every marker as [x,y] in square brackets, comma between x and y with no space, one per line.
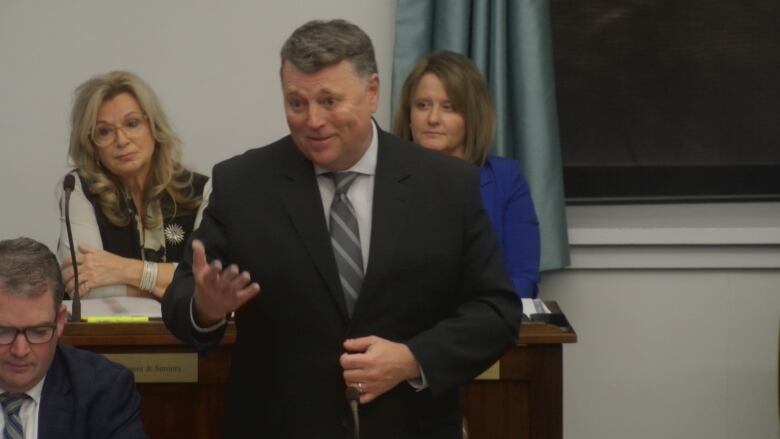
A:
[134,204]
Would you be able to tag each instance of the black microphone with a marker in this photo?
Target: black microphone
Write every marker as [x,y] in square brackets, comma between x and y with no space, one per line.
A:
[68,184]
[353,397]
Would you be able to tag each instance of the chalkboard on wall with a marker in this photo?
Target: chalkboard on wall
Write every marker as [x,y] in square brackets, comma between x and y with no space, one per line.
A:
[670,100]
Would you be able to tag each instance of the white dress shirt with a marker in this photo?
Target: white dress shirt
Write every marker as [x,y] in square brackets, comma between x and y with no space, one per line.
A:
[28,412]
[360,193]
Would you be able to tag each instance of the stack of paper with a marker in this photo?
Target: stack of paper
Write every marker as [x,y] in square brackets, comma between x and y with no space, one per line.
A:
[118,306]
[534,306]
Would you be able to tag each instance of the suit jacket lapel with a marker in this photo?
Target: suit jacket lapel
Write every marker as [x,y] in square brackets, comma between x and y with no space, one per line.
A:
[390,213]
[301,197]
[55,418]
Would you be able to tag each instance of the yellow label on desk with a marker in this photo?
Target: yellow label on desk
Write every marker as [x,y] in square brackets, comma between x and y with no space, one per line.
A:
[160,368]
[491,373]
[117,319]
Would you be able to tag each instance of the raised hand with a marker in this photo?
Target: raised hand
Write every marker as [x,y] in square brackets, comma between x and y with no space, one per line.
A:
[218,292]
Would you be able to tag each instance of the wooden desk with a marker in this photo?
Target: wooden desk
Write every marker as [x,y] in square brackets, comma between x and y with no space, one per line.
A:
[168,410]
[525,402]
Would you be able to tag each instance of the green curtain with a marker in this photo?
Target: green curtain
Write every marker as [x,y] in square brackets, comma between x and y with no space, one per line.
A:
[510,42]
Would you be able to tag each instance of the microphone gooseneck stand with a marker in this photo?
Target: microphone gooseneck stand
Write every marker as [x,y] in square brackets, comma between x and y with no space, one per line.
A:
[353,397]
[68,185]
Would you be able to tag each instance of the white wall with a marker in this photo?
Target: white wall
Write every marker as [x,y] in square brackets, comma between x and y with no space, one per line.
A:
[670,353]
[677,311]
[215,66]
[661,353]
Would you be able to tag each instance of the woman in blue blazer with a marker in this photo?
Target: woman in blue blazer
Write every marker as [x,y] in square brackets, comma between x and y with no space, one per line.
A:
[445,106]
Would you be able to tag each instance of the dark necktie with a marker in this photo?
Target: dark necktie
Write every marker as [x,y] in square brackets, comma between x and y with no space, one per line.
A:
[13,423]
[345,238]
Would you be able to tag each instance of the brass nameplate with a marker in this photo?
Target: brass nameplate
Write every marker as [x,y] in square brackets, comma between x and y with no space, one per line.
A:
[160,368]
[491,373]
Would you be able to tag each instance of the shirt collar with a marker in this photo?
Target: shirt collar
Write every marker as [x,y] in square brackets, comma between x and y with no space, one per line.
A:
[35,391]
[367,164]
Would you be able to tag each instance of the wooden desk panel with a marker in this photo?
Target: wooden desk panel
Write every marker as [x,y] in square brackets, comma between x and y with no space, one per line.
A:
[526,402]
[168,410]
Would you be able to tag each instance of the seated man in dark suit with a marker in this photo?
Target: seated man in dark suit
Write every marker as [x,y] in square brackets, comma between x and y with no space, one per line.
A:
[379,268]
[51,391]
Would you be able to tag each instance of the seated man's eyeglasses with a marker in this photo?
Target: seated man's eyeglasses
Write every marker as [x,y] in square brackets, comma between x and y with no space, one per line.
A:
[33,334]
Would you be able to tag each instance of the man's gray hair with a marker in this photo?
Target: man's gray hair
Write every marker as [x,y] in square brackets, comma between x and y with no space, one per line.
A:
[318,44]
[29,269]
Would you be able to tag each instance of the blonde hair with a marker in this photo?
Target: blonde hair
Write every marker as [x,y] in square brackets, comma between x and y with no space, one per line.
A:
[167,173]
[468,94]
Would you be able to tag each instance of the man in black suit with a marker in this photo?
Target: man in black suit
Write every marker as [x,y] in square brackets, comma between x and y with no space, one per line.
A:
[49,391]
[378,266]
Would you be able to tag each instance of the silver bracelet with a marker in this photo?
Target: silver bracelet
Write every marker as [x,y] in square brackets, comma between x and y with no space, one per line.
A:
[144,276]
[148,276]
[153,277]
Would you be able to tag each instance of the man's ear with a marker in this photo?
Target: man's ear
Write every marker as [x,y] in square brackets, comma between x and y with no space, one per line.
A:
[62,318]
[373,91]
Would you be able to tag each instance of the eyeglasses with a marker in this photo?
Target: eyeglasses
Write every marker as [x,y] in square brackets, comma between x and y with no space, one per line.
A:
[34,334]
[104,134]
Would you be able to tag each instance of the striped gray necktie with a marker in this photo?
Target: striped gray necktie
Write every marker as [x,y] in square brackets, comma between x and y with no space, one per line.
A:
[345,238]
[13,423]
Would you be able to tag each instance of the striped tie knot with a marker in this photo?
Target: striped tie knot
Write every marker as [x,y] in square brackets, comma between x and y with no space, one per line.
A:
[342,181]
[13,424]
